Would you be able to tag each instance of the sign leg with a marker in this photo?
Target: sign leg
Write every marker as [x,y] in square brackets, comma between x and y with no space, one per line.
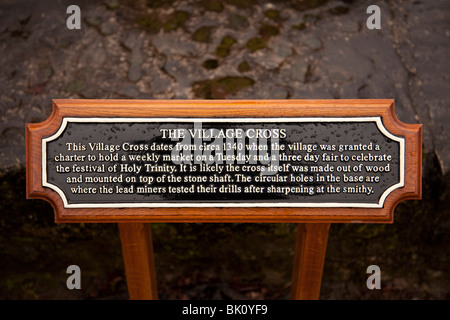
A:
[309,258]
[137,250]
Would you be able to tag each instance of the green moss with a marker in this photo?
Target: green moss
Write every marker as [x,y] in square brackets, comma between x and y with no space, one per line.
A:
[300,26]
[223,49]
[212,5]
[255,44]
[243,4]
[150,22]
[272,14]
[266,31]
[176,20]
[221,88]
[210,64]
[202,34]
[244,67]
[155,4]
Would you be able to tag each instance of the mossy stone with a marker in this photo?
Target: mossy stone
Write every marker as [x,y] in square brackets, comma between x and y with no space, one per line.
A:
[202,34]
[244,67]
[255,44]
[112,4]
[150,22]
[94,20]
[272,14]
[300,26]
[176,20]
[155,4]
[223,49]
[243,4]
[266,31]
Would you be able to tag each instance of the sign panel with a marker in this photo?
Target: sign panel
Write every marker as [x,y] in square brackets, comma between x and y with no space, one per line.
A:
[240,162]
[224,161]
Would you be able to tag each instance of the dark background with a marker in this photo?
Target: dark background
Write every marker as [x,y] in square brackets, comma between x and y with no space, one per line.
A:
[225,49]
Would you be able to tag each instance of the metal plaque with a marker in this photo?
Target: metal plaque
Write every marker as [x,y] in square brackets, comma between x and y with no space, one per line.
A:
[223,162]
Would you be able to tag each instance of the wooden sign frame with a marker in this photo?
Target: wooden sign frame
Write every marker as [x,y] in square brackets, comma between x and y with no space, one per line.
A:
[313,222]
[384,109]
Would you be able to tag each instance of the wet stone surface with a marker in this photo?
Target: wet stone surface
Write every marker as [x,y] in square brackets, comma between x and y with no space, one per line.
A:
[245,49]
[294,49]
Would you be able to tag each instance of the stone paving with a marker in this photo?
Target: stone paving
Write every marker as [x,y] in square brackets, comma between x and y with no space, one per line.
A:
[223,50]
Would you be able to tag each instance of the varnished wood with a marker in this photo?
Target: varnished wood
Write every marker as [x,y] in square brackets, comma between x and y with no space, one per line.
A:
[313,225]
[309,258]
[226,108]
[137,251]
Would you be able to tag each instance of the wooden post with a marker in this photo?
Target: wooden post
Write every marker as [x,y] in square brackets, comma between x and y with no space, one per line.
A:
[309,258]
[137,250]
[52,163]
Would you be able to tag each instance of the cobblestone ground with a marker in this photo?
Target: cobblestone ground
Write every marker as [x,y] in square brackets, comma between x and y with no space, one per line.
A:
[233,49]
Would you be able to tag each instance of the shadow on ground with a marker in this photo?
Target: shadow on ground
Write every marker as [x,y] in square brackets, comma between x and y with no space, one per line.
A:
[225,261]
